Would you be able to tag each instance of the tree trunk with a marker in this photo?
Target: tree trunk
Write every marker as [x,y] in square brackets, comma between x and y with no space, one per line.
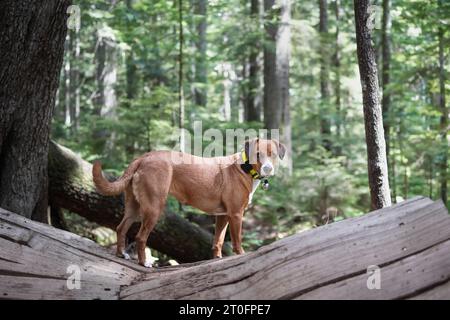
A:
[252,108]
[373,119]
[106,76]
[74,86]
[71,188]
[337,70]
[67,120]
[180,75]
[32,35]
[283,48]
[386,100]
[394,173]
[130,63]
[444,115]
[272,110]
[430,176]
[201,71]
[325,124]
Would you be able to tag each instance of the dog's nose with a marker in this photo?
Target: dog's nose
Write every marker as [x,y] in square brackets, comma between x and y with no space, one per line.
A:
[267,168]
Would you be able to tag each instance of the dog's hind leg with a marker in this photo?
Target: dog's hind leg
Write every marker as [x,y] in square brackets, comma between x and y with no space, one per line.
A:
[152,190]
[148,223]
[131,215]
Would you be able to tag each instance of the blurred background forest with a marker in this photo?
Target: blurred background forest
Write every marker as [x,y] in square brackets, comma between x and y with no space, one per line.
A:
[138,69]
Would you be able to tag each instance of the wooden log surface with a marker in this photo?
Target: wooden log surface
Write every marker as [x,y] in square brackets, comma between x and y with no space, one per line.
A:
[409,242]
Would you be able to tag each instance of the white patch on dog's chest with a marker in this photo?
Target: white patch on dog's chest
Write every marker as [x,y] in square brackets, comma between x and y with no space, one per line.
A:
[255,186]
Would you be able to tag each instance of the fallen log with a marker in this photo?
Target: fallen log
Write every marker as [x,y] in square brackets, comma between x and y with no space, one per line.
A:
[408,242]
[71,188]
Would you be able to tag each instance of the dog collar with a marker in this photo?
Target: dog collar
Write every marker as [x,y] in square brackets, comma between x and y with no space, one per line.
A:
[248,168]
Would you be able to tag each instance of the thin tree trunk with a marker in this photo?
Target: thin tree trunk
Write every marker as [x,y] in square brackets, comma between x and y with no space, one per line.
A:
[60,103]
[106,76]
[32,35]
[227,84]
[252,112]
[386,45]
[180,75]
[74,86]
[130,63]
[131,79]
[405,182]
[201,71]
[283,48]
[430,176]
[67,119]
[394,178]
[444,115]
[337,70]
[373,119]
[272,110]
[325,125]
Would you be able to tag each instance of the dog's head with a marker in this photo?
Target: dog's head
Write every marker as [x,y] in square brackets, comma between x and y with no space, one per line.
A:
[264,154]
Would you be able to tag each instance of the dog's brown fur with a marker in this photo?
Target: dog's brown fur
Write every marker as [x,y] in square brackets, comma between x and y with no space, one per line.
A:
[217,186]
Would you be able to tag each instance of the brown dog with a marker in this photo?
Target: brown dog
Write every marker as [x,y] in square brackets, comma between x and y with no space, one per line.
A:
[220,186]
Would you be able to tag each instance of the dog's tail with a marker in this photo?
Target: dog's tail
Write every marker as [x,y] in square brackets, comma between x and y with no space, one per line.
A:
[113,188]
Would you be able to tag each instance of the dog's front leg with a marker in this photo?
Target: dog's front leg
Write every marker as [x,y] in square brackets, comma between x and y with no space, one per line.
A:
[236,231]
[219,235]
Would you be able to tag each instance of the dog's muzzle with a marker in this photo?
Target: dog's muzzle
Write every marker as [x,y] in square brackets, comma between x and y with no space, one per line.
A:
[267,169]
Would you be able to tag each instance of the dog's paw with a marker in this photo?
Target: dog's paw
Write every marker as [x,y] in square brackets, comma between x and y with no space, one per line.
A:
[147,264]
[123,255]
[126,256]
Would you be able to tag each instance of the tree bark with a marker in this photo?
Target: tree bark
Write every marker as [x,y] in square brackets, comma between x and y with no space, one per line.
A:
[272,110]
[71,188]
[325,124]
[444,114]
[394,172]
[201,71]
[130,63]
[180,75]
[106,76]
[32,35]
[283,69]
[252,108]
[337,70]
[376,146]
[386,53]
[74,83]
[67,79]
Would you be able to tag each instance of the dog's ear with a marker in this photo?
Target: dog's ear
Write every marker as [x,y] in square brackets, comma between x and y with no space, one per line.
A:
[281,149]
